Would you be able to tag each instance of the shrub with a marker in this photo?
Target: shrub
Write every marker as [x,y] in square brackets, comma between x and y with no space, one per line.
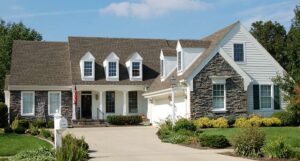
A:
[277,149]
[50,124]
[231,120]
[203,122]
[19,123]
[41,154]
[287,118]
[271,121]
[175,138]
[39,123]
[20,130]
[220,123]
[241,122]
[214,141]
[255,121]
[184,124]
[185,132]
[249,141]
[34,131]
[8,130]
[72,149]
[165,129]
[3,115]
[45,133]
[124,120]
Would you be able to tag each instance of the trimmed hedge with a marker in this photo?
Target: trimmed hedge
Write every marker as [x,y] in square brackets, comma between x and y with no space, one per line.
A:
[184,124]
[3,115]
[124,120]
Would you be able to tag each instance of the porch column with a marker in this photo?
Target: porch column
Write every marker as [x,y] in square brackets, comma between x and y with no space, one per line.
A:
[101,111]
[125,93]
[73,106]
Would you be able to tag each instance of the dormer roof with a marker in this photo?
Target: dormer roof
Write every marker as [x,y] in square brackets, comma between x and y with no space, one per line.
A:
[135,56]
[169,52]
[185,43]
[112,56]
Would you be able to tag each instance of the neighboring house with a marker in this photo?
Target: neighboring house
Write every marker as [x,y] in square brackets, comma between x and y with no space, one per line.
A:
[226,73]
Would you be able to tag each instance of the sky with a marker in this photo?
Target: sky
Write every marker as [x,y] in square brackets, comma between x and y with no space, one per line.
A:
[167,19]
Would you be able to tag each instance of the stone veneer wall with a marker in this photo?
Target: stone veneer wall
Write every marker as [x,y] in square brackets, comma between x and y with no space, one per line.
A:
[201,96]
[41,105]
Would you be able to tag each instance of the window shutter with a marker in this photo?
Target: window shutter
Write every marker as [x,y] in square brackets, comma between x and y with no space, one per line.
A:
[256,97]
[276,98]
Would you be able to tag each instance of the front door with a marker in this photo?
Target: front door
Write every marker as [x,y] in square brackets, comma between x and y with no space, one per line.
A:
[86,106]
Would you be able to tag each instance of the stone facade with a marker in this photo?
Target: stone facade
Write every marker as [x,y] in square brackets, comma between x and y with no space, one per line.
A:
[201,96]
[41,105]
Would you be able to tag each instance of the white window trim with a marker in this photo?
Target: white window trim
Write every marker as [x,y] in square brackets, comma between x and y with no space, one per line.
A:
[88,57]
[272,97]
[59,111]
[224,108]
[162,65]
[181,61]
[90,76]
[140,69]
[117,69]
[33,105]
[244,51]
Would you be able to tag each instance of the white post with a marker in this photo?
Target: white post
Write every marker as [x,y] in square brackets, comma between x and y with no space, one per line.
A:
[100,105]
[173,106]
[73,107]
[124,103]
[60,124]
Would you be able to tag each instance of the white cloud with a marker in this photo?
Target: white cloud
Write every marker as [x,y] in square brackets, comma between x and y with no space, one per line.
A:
[149,8]
[281,12]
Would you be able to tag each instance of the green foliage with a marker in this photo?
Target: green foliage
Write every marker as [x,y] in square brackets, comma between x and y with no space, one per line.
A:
[3,115]
[50,124]
[249,142]
[19,123]
[165,129]
[20,130]
[203,122]
[72,149]
[184,124]
[124,120]
[214,141]
[33,131]
[8,129]
[39,123]
[41,154]
[286,84]
[176,138]
[287,118]
[277,149]
[8,33]
[45,133]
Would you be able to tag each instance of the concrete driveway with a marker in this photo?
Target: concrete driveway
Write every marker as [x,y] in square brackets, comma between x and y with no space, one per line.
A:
[141,144]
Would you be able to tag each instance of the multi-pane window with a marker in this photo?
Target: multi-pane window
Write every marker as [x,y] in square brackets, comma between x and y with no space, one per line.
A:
[218,96]
[27,103]
[110,102]
[112,69]
[238,50]
[88,68]
[133,102]
[135,69]
[265,96]
[162,67]
[179,58]
[54,102]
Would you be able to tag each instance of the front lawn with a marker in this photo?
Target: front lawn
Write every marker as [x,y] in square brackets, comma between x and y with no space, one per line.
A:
[11,144]
[291,135]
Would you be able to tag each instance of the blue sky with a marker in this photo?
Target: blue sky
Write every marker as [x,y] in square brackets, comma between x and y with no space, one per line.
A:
[169,19]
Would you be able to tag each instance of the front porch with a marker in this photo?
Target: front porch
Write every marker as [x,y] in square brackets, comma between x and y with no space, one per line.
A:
[97,102]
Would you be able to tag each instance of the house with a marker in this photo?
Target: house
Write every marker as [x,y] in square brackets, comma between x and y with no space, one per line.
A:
[225,73]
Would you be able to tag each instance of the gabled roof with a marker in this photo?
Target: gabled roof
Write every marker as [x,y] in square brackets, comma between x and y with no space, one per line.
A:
[40,63]
[185,43]
[135,56]
[169,52]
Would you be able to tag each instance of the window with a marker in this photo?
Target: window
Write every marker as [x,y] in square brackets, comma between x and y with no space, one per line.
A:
[27,99]
[110,102]
[88,69]
[238,50]
[112,69]
[54,99]
[218,96]
[179,59]
[265,96]
[135,69]
[162,67]
[133,103]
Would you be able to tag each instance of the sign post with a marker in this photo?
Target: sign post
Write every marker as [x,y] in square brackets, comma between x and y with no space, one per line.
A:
[60,124]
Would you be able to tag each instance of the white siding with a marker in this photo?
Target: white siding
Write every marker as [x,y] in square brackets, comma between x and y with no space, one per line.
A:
[170,64]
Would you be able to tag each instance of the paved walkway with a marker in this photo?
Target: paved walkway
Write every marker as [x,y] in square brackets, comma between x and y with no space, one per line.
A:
[141,144]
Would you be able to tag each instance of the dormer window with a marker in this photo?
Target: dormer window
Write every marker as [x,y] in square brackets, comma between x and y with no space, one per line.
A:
[111,65]
[87,67]
[179,61]
[134,66]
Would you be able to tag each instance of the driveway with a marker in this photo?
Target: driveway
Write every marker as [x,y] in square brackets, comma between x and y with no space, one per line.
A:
[141,144]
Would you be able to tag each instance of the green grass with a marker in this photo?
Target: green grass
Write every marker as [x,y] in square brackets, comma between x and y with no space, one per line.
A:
[11,144]
[291,135]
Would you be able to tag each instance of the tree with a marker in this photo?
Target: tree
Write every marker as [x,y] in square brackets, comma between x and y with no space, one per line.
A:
[8,33]
[273,37]
[293,46]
